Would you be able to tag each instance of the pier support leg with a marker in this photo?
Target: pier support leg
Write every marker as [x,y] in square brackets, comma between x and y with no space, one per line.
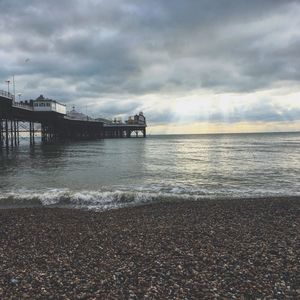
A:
[6,134]
[1,133]
[15,132]
[18,133]
[45,133]
[11,133]
[31,130]
[33,133]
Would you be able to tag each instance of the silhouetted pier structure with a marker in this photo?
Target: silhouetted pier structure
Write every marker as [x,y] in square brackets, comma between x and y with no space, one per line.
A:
[50,119]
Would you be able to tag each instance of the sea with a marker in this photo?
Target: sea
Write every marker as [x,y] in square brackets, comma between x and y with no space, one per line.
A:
[113,173]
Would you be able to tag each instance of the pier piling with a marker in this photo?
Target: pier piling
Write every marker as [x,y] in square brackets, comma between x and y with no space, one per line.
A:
[18,119]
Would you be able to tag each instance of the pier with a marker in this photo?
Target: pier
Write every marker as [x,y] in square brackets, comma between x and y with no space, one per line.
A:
[49,118]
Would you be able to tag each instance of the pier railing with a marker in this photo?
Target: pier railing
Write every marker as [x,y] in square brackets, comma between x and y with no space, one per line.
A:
[6,94]
[24,106]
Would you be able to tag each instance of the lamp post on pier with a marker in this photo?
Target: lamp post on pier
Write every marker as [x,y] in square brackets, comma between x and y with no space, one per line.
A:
[14,86]
[8,82]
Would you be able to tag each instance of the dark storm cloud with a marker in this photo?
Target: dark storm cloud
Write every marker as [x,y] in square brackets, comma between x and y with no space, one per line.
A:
[91,49]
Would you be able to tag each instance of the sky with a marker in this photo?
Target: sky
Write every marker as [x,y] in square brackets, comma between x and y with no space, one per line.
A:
[193,66]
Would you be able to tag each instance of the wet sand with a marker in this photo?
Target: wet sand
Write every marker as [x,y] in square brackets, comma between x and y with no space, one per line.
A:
[188,250]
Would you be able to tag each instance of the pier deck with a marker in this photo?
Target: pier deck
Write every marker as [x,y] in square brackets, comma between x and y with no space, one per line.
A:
[54,126]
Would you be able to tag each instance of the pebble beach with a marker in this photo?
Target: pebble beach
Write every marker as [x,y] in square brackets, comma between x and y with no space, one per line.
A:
[208,249]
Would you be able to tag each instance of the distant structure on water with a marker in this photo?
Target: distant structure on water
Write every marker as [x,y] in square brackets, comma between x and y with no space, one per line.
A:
[42,104]
[137,119]
[55,123]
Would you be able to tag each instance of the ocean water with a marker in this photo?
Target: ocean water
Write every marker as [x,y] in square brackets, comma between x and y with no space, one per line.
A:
[113,173]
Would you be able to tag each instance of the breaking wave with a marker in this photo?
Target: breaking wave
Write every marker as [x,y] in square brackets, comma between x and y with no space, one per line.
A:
[100,200]
[95,200]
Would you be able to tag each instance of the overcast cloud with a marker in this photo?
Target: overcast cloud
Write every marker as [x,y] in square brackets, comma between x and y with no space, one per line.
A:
[120,56]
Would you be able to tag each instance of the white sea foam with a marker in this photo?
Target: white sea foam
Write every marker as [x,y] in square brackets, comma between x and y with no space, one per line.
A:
[120,197]
[97,200]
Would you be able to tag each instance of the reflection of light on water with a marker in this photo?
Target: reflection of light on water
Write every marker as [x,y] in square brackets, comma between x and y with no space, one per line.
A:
[96,172]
